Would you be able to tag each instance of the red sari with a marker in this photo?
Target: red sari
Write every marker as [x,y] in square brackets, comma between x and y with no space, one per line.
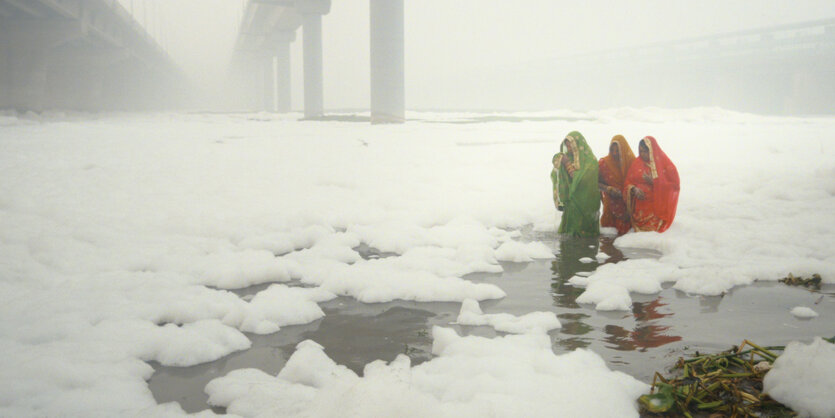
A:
[658,208]
[612,175]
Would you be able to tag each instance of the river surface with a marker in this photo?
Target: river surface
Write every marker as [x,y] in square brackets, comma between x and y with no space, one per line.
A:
[649,338]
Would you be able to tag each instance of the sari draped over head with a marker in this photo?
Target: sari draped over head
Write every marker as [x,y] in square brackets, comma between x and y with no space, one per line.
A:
[612,177]
[578,190]
[658,208]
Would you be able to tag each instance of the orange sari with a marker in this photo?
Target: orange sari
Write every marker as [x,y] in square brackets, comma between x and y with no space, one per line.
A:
[659,182]
[612,176]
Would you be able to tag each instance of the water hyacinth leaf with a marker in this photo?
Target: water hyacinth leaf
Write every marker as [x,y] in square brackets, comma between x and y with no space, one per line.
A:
[659,402]
[722,384]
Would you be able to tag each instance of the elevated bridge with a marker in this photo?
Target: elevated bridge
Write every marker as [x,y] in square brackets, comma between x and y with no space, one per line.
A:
[261,62]
[780,69]
[80,54]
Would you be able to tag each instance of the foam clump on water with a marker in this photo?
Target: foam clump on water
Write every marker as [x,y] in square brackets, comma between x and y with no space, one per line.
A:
[519,252]
[609,286]
[470,377]
[173,345]
[423,272]
[280,305]
[471,314]
[601,257]
[803,312]
[803,377]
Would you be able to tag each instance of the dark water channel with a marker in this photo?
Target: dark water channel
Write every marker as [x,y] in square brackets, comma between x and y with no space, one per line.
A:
[649,338]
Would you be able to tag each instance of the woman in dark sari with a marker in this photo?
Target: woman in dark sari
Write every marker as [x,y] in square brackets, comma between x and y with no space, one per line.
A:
[578,193]
[652,188]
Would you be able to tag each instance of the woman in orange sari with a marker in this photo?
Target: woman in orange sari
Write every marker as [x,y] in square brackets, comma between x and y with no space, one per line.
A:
[613,170]
[652,187]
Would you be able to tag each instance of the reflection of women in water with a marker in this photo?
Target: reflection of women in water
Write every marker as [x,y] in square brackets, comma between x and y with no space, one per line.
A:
[613,169]
[652,187]
[578,188]
[555,179]
[647,333]
[567,264]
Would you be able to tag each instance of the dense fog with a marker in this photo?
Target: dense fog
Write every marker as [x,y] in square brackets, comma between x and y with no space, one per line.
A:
[764,57]
[422,208]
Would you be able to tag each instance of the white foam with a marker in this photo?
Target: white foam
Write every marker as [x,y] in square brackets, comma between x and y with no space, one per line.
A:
[470,377]
[118,233]
[601,257]
[471,314]
[608,287]
[803,377]
[523,252]
[280,305]
[803,312]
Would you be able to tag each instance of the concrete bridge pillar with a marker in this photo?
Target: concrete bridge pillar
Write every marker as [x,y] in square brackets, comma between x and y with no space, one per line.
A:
[313,79]
[255,72]
[282,42]
[267,72]
[283,100]
[387,61]
[312,11]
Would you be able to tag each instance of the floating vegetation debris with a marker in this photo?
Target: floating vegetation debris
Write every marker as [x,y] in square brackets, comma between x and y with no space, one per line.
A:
[813,282]
[728,384]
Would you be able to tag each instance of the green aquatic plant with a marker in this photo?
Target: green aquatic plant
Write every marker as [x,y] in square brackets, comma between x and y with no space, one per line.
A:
[661,401]
[727,384]
[813,282]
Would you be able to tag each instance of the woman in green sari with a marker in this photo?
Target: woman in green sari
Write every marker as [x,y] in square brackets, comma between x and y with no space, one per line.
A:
[578,191]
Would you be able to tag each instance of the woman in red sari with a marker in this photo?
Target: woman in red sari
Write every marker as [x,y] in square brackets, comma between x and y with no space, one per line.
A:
[652,187]
[612,176]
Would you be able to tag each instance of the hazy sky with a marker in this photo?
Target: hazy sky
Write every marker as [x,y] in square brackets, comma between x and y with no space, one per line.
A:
[460,43]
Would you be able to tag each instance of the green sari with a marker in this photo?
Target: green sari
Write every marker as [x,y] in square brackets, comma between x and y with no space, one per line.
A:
[579,193]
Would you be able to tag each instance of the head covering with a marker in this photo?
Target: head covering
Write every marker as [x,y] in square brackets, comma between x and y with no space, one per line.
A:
[578,192]
[657,157]
[621,167]
[613,174]
[648,142]
[665,184]
[576,147]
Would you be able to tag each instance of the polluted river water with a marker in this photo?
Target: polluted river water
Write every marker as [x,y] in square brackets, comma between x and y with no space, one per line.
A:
[658,329]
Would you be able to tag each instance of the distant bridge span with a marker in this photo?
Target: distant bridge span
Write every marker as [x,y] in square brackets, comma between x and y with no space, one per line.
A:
[778,69]
[269,26]
[79,54]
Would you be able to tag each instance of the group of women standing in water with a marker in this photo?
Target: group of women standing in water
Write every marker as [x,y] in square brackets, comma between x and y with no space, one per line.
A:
[637,193]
